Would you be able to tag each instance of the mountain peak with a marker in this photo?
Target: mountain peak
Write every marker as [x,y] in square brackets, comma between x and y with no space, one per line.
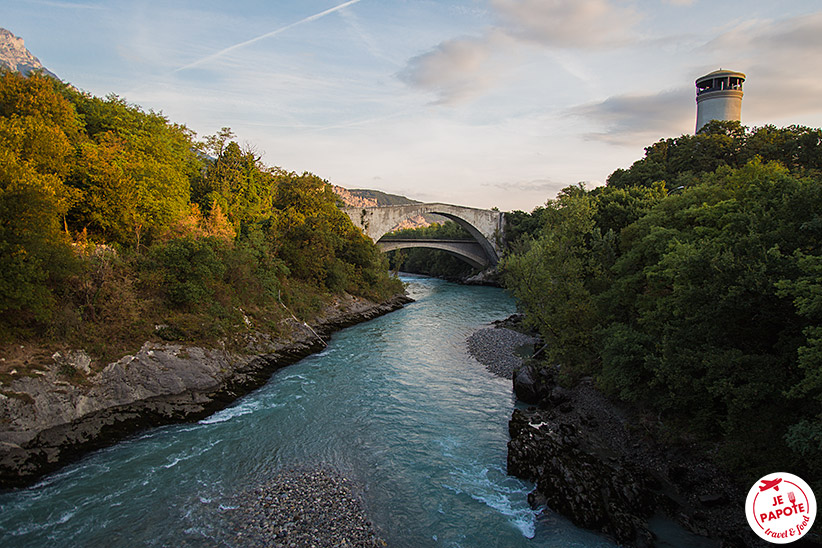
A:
[14,55]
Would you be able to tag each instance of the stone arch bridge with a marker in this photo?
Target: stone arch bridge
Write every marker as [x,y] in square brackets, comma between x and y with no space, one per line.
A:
[486,227]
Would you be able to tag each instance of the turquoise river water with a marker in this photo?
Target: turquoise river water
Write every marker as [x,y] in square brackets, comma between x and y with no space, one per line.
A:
[396,403]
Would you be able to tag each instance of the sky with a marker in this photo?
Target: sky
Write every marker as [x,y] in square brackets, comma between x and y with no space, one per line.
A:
[483,103]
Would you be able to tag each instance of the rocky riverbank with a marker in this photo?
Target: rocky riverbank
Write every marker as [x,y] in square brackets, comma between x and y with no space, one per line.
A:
[47,420]
[500,349]
[600,466]
[316,507]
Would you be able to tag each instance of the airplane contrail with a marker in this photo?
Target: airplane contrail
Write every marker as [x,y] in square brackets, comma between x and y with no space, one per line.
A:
[267,35]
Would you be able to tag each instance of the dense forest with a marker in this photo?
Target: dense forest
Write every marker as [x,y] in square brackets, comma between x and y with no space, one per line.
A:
[114,220]
[690,287]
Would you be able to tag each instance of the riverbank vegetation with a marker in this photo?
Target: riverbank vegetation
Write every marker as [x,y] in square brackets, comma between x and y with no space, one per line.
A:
[690,287]
[114,221]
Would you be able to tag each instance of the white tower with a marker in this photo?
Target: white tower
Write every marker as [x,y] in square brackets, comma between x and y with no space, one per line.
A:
[719,97]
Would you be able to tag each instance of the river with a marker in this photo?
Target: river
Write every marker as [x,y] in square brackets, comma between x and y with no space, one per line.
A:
[395,403]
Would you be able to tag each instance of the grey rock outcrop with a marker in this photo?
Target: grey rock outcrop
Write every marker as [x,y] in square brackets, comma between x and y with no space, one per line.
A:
[15,57]
[604,494]
[46,421]
[598,465]
[532,384]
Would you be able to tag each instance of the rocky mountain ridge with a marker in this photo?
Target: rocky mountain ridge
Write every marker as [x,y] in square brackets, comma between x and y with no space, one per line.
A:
[15,57]
[376,198]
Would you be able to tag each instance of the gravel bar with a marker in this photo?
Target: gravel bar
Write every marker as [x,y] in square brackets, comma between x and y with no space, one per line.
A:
[495,348]
[315,508]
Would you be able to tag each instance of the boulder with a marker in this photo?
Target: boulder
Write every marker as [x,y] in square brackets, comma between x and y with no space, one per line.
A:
[603,494]
[533,384]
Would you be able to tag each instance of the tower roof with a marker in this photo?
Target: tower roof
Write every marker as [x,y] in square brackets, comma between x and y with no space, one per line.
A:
[720,73]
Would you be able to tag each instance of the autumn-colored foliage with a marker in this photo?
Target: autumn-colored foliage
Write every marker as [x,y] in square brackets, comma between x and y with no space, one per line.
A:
[97,194]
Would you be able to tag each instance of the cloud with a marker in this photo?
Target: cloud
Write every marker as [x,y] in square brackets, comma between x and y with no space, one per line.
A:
[458,69]
[69,5]
[638,119]
[462,68]
[568,24]
[542,186]
[780,59]
[371,45]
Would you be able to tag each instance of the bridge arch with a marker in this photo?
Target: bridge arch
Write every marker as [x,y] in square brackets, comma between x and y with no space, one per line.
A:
[484,226]
[466,250]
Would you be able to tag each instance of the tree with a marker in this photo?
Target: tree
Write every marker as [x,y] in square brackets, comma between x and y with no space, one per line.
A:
[35,258]
[698,305]
[134,171]
[235,180]
[550,279]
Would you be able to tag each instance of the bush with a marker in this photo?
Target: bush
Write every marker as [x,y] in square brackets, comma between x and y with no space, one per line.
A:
[190,269]
[35,258]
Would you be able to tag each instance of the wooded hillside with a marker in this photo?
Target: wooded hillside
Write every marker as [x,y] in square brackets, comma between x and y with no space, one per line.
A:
[690,287]
[113,220]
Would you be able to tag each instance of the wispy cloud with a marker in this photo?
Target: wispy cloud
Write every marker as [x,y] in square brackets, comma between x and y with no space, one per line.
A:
[638,119]
[69,5]
[568,24]
[461,68]
[373,48]
[271,34]
[543,186]
[780,59]
[778,56]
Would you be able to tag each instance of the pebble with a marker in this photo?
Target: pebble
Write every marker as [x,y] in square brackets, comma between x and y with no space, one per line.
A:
[303,508]
[495,348]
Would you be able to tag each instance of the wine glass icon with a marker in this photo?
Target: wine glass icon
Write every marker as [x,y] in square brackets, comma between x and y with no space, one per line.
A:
[792,497]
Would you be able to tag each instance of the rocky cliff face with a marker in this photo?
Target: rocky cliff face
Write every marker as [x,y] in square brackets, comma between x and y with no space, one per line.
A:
[351,199]
[372,198]
[14,55]
[597,465]
[46,421]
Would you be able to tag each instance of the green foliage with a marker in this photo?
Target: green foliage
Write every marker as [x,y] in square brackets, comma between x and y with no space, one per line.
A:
[165,229]
[680,161]
[190,269]
[805,436]
[134,170]
[521,226]
[235,180]
[449,230]
[430,262]
[549,278]
[702,304]
[34,256]
[37,127]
